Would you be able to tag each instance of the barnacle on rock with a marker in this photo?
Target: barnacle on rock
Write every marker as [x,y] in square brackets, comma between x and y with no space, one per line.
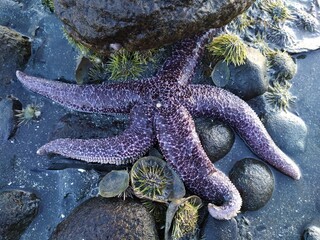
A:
[230,47]
[279,97]
[31,112]
[277,10]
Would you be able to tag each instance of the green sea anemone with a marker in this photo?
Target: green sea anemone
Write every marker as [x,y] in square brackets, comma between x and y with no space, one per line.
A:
[153,179]
[279,96]
[123,65]
[261,44]
[277,10]
[306,21]
[185,217]
[31,112]
[229,47]
[282,64]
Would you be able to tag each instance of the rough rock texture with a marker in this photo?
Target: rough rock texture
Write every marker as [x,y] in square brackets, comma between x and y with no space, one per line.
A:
[216,138]
[100,218]
[255,182]
[249,80]
[7,117]
[17,210]
[139,24]
[15,51]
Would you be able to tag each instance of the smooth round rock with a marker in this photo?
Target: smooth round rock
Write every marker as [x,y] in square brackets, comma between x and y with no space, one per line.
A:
[17,210]
[216,138]
[312,232]
[220,229]
[249,80]
[255,182]
[138,25]
[287,130]
[15,52]
[107,218]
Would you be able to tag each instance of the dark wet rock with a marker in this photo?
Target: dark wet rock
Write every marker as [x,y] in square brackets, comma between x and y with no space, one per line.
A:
[259,105]
[255,182]
[17,210]
[101,218]
[89,126]
[15,51]
[140,25]
[312,231]
[249,80]
[287,130]
[216,138]
[219,229]
[8,120]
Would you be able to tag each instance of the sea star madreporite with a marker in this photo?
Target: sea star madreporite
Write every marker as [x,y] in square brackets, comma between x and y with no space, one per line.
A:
[161,107]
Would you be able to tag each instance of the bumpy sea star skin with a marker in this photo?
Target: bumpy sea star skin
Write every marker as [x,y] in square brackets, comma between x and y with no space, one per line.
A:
[161,108]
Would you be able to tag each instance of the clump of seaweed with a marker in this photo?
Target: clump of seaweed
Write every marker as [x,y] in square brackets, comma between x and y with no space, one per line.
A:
[229,47]
[83,50]
[282,64]
[305,21]
[30,112]
[279,97]
[278,11]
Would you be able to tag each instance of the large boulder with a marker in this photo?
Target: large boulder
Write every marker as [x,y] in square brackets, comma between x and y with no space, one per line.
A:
[102,218]
[138,25]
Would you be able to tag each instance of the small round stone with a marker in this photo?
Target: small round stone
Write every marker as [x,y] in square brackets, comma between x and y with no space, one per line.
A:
[287,130]
[216,137]
[255,182]
[249,80]
[311,233]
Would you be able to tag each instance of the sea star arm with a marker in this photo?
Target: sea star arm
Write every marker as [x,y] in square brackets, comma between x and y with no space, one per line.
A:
[102,98]
[180,66]
[126,147]
[182,149]
[221,104]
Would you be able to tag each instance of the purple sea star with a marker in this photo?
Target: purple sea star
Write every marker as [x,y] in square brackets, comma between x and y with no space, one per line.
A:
[161,108]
